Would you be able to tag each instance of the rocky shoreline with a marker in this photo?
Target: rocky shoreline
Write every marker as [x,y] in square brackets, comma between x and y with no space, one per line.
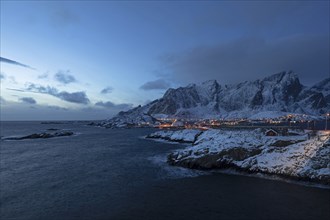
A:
[303,157]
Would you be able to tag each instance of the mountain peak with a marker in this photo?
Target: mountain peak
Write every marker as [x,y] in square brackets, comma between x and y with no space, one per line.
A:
[284,75]
[210,82]
[210,85]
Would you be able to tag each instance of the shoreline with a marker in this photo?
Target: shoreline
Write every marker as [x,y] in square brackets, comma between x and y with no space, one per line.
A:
[235,170]
[309,164]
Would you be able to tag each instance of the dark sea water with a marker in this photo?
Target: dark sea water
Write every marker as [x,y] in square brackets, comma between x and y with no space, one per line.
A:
[115,174]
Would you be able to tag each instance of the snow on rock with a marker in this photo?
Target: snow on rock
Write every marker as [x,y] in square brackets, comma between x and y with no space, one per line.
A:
[300,156]
[298,160]
[186,135]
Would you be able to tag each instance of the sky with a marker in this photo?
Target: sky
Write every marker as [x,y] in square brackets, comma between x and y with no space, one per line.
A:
[85,60]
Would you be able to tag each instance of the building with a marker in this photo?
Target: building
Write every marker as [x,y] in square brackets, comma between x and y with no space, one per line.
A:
[271,132]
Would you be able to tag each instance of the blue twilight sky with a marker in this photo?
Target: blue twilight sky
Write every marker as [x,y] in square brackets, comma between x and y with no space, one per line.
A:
[91,59]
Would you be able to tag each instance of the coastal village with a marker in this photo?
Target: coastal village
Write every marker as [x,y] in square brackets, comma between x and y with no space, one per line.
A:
[282,122]
[298,149]
[291,153]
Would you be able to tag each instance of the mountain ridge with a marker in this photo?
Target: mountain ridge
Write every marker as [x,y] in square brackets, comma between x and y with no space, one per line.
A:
[280,92]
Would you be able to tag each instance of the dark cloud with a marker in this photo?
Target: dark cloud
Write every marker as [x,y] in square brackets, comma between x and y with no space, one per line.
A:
[158,84]
[5,60]
[28,100]
[107,90]
[74,97]
[65,77]
[252,58]
[109,104]
[41,89]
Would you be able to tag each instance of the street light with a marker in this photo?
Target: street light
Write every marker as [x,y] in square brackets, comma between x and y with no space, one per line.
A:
[326,121]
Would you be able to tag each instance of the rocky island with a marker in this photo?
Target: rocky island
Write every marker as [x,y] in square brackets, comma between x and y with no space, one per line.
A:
[42,135]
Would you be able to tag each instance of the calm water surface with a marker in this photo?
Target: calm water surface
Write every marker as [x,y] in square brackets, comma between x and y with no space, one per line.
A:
[115,174]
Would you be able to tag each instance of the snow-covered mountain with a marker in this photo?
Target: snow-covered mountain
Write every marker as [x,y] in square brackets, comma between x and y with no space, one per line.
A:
[281,92]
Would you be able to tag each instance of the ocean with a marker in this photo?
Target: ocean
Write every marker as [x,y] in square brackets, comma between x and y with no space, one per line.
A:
[117,174]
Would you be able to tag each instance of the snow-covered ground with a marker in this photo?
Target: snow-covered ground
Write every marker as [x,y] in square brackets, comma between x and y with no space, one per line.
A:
[302,157]
[185,135]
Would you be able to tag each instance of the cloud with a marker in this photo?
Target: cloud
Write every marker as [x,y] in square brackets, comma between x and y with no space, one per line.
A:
[107,90]
[13,111]
[2,76]
[12,80]
[158,84]
[147,101]
[5,60]
[2,100]
[28,100]
[17,90]
[74,97]
[20,111]
[109,104]
[105,104]
[43,76]
[64,77]
[41,89]
[252,58]
[54,107]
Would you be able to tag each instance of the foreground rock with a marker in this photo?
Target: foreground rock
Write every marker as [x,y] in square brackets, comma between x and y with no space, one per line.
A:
[42,135]
[182,136]
[301,157]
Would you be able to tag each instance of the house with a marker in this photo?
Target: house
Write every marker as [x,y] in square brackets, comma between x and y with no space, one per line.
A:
[271,132]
